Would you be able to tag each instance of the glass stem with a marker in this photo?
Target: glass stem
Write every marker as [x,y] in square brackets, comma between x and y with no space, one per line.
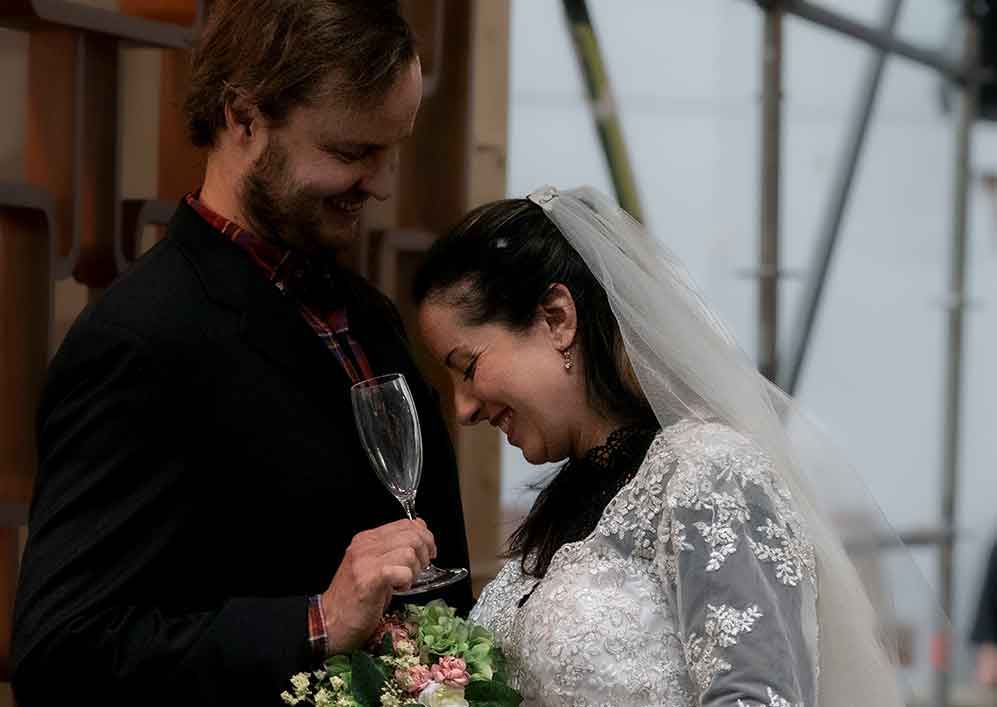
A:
[409,505]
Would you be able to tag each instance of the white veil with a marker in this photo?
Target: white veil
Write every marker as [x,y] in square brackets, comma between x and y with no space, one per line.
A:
[689,365]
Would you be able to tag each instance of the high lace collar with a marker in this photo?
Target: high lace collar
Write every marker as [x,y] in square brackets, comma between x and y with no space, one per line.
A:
[624,447]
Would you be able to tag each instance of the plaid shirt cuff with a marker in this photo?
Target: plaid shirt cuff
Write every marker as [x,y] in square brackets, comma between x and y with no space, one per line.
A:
[317,636]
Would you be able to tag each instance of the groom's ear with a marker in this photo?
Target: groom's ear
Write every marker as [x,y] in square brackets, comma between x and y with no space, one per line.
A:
[559,315]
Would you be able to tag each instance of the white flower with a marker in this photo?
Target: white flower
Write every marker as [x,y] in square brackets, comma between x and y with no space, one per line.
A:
[323,698]
[300,683]
[289,698]
[438,695]
[337,682]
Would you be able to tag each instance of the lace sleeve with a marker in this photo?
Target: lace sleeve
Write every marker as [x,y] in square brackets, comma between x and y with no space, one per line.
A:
[741,572]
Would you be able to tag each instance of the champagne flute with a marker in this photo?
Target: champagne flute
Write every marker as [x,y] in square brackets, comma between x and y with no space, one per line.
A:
[388,422]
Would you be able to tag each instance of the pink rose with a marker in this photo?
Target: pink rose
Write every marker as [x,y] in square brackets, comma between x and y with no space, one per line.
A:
[451,672]
[413,680]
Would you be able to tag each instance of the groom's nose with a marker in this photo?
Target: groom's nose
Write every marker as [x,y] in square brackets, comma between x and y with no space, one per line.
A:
[467,407]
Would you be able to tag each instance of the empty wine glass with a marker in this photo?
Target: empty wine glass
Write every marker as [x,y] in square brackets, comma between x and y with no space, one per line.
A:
[388,423]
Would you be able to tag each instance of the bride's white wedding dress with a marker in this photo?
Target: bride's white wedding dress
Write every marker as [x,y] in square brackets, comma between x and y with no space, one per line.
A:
[697,587]
[699,584]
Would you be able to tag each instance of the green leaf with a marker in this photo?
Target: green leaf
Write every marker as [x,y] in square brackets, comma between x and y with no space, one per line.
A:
[338,664]
[368,679]
[498,663]
[491,693]
[386,644]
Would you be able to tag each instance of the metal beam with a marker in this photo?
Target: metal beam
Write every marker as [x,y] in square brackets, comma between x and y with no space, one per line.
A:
[969,97]
[768,270]
[831,226]
[876,37]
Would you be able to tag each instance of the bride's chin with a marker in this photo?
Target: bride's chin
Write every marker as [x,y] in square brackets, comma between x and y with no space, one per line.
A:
[532,455]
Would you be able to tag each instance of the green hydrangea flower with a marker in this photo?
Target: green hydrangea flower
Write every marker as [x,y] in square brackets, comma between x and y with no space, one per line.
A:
[441,632]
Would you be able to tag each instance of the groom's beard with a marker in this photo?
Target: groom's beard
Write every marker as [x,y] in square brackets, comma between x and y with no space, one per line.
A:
[276,207]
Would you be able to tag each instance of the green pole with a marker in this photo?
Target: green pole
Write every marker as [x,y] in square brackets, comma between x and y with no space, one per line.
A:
[603,106]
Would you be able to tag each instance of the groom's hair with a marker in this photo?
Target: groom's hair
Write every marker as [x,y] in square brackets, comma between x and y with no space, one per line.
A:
[496,267]
[279,54]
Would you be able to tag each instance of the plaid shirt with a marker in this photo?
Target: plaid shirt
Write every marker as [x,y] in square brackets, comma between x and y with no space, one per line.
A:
[284,267]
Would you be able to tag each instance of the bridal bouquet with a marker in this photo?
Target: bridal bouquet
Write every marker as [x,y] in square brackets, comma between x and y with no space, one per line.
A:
[421,656]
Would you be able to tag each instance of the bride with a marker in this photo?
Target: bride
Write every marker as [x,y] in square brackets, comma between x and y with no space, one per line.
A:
[679,557]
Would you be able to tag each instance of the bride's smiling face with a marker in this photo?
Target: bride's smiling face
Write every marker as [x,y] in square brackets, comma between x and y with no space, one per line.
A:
[516,380]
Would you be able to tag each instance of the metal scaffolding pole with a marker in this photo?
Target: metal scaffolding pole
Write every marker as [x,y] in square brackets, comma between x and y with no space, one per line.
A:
[956,301]
[967,75]
[603,105]
[831,227]
[768,271]
[876,37]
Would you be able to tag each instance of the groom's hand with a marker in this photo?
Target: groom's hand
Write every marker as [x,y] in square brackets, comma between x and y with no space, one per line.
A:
[376,563]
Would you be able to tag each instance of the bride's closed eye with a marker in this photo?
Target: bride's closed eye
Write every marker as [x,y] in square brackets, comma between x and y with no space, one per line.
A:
[469,371]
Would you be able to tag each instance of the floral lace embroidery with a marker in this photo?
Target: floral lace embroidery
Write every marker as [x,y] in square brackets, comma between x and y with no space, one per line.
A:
[775,700]
[633,515]
[719,480]
[723,625]
[597,628]
[793,559]
[602,626]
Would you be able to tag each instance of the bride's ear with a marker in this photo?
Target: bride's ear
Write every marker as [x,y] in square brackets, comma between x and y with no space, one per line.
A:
[558,313]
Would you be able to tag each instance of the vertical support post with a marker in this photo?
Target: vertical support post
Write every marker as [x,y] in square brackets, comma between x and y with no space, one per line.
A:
[768,283]
[97,188]
[956,299]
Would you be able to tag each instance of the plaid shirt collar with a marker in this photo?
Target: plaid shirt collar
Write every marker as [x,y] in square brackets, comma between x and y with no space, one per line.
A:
[309,280]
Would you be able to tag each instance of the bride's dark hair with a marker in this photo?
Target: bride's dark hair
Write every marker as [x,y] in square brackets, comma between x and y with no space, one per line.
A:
[496,266]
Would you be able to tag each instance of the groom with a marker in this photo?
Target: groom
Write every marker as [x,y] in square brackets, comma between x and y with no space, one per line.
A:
[205,522]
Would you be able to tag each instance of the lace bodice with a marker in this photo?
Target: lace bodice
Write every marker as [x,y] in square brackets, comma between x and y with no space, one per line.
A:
[696,587]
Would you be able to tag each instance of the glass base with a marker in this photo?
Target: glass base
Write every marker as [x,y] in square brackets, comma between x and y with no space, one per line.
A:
[433,578]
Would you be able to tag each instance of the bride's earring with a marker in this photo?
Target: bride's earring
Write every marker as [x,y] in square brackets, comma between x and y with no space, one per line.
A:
[568,360]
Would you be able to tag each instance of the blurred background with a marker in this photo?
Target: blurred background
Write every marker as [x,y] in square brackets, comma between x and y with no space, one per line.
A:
[827,171]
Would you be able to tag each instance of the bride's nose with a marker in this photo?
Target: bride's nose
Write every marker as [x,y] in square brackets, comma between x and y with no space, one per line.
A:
[467,407]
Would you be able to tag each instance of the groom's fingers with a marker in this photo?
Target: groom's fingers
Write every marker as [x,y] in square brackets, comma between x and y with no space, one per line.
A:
[401,526]
[398,577]
[432,539]
[404,557]
[403,534]
[424,547]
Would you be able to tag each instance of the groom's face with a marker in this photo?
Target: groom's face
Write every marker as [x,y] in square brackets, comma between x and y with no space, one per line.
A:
[315,171]
[516,381]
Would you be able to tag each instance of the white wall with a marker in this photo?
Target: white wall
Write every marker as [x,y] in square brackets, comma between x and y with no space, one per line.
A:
[687,77]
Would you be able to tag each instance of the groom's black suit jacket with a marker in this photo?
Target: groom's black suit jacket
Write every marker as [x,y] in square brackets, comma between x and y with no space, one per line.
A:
[200,476]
